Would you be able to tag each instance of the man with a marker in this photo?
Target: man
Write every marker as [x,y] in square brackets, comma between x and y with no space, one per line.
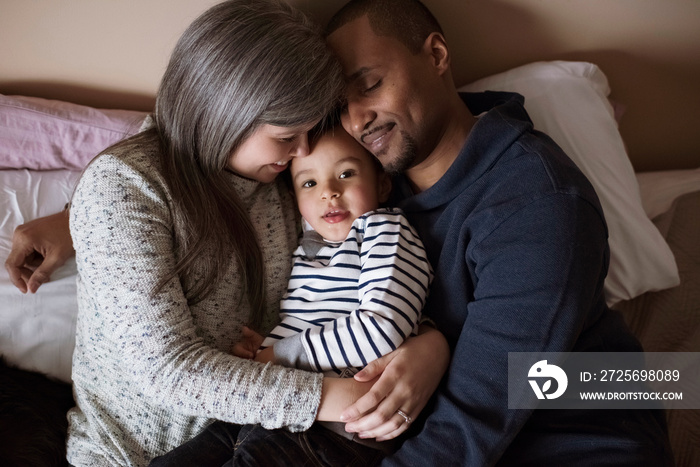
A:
[515,234]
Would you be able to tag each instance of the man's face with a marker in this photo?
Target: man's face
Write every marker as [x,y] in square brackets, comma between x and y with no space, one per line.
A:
[389,95]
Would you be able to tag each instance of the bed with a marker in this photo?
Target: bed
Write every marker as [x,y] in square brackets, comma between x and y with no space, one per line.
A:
[654,276]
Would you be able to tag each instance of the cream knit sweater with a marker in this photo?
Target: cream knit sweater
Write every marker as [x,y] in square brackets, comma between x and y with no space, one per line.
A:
[151,372]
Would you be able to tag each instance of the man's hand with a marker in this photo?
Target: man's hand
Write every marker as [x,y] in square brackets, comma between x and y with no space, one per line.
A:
[407,377]
[248,347]
[39,247]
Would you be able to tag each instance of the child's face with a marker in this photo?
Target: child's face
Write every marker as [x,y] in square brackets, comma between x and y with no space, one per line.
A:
[336,183]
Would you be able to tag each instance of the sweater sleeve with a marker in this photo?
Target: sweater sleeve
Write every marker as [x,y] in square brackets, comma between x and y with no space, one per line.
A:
[536,276]
[122,231]
[392,289]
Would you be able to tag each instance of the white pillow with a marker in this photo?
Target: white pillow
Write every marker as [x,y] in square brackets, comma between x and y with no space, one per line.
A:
[569,102]
[37,331]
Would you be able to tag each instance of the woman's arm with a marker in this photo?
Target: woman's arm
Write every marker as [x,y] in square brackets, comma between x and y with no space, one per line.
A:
[39,247]
[173,354]
[405,380]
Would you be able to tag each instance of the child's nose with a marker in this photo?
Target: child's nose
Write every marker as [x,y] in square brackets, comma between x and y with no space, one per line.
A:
[330,190]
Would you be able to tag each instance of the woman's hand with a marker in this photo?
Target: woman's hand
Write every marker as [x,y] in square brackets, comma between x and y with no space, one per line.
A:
[39,247]
[407,378]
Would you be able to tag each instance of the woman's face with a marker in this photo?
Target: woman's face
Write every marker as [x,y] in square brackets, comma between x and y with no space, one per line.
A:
[268,150]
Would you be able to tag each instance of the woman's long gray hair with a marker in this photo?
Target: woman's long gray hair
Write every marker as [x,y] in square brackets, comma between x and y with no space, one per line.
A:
[241,64]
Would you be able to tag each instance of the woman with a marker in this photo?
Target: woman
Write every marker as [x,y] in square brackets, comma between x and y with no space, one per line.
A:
[183,235]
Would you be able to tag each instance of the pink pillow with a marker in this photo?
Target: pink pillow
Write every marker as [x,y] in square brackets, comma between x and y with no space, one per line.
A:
[42,134]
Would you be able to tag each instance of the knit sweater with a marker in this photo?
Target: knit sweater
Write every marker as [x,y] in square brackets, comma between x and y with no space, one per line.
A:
[150,372]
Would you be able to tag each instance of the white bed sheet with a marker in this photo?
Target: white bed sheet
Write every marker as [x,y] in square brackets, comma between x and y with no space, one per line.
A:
[36,330]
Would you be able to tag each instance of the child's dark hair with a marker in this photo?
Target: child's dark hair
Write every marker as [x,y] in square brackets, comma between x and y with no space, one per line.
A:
[328,125]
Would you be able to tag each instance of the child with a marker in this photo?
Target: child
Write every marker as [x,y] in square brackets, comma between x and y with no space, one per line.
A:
[360,275]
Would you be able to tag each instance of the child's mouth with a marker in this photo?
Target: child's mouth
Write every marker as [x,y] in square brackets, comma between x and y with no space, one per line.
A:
[335,216]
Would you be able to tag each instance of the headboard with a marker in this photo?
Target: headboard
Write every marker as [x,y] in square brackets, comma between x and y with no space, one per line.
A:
[112,54]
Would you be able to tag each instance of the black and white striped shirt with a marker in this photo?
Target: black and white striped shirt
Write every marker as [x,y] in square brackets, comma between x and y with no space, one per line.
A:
[356,300]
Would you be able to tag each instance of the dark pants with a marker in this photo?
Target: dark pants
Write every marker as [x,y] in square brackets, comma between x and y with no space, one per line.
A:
[225,444]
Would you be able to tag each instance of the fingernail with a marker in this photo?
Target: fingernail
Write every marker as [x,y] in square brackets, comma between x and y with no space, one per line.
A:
[343,417]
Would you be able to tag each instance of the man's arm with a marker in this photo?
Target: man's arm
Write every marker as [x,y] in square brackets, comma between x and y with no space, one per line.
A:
[537,278]
[39,247]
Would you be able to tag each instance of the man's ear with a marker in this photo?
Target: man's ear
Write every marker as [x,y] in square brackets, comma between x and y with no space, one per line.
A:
[436,46]
[384,188]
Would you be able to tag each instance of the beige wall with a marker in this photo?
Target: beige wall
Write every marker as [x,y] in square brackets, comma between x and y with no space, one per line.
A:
[111,53]
[96,52]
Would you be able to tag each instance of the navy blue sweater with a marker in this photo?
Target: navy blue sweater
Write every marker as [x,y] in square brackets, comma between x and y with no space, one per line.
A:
[518,243]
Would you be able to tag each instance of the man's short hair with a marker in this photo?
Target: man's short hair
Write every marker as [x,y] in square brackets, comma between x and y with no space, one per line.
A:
[409,21]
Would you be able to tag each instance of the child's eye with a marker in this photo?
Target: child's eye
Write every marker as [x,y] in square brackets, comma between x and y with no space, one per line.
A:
[347,174]
[308,184]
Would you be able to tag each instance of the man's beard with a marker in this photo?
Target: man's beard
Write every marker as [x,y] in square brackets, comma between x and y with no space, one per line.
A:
[406,157]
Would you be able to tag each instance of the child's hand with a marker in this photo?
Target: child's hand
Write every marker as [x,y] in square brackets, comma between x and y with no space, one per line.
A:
[248,347]
[265,355]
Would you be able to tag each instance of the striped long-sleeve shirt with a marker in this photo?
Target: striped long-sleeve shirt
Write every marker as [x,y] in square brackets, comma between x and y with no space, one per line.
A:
[356,300]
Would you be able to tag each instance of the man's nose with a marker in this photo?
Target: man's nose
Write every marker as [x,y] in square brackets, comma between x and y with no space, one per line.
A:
[357,117]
